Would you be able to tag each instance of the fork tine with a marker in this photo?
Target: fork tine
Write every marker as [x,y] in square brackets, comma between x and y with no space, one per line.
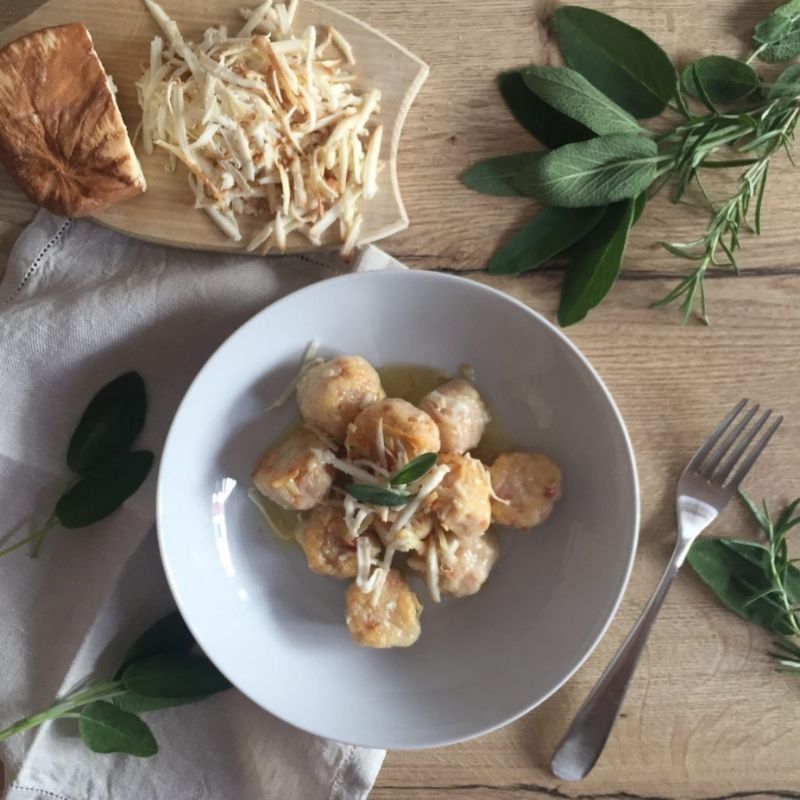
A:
[740,473]
[747,440]
[709,443]
[727,443]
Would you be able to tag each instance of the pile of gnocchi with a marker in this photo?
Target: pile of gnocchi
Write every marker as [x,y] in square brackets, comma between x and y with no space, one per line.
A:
[388,489]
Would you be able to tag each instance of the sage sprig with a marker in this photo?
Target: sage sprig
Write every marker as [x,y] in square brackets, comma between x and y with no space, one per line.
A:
[399,491]
[105,471]
[161,670]
[729,118]
[758,580]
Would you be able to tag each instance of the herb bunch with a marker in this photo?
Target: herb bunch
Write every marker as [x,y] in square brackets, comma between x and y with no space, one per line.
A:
[106,472]
[162,669]
[603,165]
[758,581]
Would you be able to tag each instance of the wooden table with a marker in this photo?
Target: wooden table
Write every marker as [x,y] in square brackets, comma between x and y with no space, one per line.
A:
[706,717]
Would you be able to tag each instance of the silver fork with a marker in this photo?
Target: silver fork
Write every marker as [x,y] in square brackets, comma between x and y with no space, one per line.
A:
[704,489]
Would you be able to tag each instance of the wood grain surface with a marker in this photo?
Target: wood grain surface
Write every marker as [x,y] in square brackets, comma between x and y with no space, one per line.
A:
[707,717]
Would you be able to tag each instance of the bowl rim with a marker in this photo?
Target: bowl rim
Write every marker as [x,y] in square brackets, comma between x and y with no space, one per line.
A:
[422,275]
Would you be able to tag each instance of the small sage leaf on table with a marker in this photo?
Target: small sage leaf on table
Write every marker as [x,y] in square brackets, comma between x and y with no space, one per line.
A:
[550,127]
[103,490]
[414,470]
[787,84]
[721,79]
[595,264]
[376,496]
[108,729]
[175,676]
[494,175]
[169,635]
[112,421]
[603,170]
[736,571]
[778,36]
[621,61]
[570,93]
[550,233]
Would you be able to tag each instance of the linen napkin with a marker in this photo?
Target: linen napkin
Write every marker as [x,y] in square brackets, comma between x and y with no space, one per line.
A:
[79,305]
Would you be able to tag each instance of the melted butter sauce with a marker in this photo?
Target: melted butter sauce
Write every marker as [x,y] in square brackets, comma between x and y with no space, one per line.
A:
[409,382]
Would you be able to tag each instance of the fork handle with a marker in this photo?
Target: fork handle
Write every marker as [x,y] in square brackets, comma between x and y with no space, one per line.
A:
[586,737]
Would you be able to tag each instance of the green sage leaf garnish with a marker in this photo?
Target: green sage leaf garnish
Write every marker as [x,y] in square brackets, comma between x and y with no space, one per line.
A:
[109,426]
[108,729]
[414,470]
[376,496]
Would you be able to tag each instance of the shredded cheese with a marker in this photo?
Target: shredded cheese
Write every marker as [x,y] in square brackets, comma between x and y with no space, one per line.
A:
[432,571]
[310,359]
[433,479]
[268,125]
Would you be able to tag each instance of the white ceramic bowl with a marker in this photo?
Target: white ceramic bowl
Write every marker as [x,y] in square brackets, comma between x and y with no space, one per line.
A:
[277,630]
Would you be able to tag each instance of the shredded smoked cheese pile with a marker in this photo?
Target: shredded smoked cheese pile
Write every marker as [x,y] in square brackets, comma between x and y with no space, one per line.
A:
[267,124]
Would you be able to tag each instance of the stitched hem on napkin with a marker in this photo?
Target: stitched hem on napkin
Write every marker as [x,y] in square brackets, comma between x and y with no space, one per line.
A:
[48,230]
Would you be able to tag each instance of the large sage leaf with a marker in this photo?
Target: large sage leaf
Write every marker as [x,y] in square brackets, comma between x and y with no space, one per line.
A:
[621,61]
[736,571]
[108,729]
[721,79]
[110,424]
[595,263]
[594,173]
[570,93]
[551,232]
[494,175]
[780,32]
[174,676]
[167,635]
[550,127]
[103,490]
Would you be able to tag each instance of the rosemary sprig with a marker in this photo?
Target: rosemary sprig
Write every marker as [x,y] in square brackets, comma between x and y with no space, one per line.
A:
[755,137]
[779,570]
[758,580]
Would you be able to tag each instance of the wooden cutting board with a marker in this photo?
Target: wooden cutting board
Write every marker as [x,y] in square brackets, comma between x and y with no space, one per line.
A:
[122,31]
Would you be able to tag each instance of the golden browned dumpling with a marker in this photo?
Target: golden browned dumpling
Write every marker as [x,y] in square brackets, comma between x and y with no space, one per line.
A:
[403,430]
[528,485]
[62,137]
[392,621]
[459,413]
[323,537]
[331,395]
[294,473]
[462,501]
[466,571]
